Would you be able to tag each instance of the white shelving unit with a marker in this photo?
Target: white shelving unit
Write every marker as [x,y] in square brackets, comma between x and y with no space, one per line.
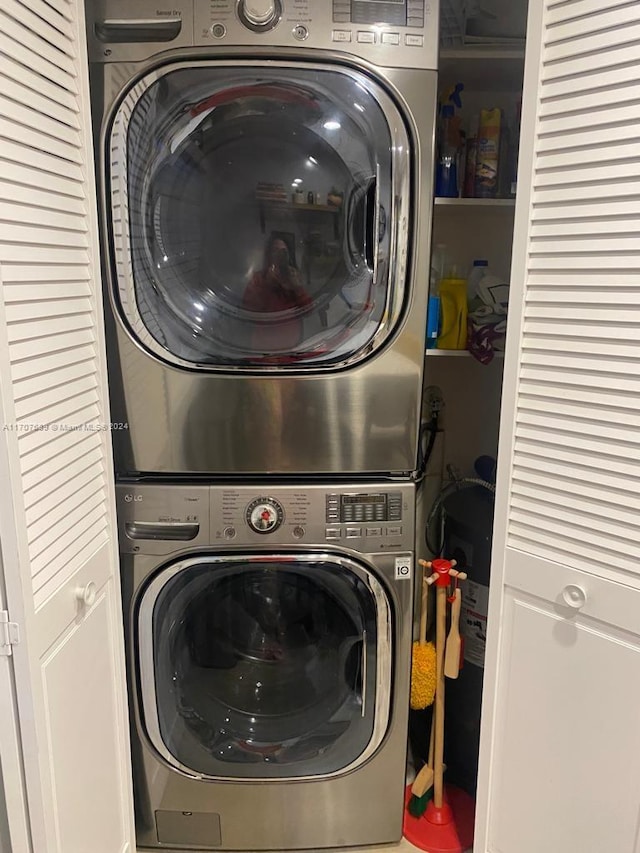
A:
[474,228]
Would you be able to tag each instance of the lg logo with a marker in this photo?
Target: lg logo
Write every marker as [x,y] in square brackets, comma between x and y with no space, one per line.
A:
[129,498]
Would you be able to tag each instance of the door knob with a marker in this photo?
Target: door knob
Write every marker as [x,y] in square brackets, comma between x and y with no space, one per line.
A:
[574,596]
[86,594]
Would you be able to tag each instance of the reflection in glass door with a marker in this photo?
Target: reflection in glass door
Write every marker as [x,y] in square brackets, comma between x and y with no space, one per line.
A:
[272,667]
[261,215]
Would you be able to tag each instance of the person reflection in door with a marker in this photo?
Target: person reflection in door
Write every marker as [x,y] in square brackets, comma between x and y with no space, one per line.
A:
[276,288]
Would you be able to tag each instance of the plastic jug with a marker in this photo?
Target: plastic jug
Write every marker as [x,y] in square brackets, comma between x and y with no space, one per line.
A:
[478,271]
[453,313]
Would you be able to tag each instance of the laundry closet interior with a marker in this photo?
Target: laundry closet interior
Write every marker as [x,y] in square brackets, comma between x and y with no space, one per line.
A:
[266,231]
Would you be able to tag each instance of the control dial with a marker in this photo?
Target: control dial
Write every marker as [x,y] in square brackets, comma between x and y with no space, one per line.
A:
[260,15]
[264,515]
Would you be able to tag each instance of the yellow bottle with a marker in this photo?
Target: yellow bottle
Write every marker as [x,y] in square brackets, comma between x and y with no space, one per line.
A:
[453,313]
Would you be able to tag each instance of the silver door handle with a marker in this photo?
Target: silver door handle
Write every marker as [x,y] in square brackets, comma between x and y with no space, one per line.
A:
[363,669]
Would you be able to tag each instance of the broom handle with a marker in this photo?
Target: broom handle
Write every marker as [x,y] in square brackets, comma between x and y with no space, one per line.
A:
[432,738]
[424,603]
[441,631]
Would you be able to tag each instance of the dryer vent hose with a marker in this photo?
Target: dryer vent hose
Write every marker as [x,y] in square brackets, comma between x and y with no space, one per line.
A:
[456,484]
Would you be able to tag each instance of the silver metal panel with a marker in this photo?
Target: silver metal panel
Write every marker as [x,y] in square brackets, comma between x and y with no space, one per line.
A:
[362,420]
[303,25]
[363,807]
[201,829]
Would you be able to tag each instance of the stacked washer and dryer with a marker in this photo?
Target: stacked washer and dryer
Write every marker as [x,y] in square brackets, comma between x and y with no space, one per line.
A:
[265,170]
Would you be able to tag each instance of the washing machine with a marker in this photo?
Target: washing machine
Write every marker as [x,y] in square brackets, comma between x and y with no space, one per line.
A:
[265,171]
[268,638]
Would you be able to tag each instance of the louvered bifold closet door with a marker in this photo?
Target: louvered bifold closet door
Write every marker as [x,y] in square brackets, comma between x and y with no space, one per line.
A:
[57,500]
[560,745]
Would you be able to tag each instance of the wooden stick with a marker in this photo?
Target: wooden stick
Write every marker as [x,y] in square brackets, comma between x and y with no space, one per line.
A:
[441,630]
[432,739]
[462,576]
[452,651]
[424,603]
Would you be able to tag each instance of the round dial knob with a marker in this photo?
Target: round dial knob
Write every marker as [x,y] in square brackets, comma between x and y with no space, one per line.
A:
[259,15]
[264,515]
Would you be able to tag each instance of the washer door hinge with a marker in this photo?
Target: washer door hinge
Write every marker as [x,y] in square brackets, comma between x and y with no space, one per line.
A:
[9,634]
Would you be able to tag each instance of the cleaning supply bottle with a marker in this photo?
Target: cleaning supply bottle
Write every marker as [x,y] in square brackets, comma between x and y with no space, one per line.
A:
[449,145]
[453,313]
[471,156]
[438,264]
[448,149]
[513,157]
[488,154]
[433,314]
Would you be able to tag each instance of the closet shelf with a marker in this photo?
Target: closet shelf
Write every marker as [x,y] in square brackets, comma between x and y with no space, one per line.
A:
[490,68]
[474,202]
[457,353]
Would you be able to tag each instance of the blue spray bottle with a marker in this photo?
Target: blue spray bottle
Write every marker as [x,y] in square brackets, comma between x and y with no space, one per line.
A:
[449,140]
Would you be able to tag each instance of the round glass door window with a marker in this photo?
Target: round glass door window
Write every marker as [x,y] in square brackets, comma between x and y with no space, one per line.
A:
[259,215]
[262,669]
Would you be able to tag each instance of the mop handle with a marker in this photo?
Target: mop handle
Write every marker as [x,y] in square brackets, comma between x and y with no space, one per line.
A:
[424,603]
[443,572]
[438,760]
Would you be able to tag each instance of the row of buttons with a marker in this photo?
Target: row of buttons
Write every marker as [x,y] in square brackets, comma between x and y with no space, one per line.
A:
[415,13]
[333,508]
[230,532]
[368,37]
[219,31]
[370,515]
[356,532]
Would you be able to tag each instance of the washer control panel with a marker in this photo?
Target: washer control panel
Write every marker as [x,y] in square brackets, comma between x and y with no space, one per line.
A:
[365,519]
[168,518]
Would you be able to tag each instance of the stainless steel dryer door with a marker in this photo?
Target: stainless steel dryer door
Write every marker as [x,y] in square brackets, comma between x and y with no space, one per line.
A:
[265,667]
[259,215]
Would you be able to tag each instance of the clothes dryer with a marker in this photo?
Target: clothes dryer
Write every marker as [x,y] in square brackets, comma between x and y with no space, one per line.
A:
[266,173]
[268,638]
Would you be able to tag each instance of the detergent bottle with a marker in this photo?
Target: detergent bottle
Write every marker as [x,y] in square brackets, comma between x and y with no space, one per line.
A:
[439,261]
[453,313]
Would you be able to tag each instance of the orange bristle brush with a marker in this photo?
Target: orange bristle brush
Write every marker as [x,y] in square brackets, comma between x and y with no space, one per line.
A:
[423,660]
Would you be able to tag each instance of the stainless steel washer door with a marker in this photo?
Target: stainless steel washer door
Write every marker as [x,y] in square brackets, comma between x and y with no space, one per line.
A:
[258,667]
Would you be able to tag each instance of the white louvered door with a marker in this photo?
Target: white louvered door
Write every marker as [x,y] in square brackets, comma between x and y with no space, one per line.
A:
[57,528]
[560,750]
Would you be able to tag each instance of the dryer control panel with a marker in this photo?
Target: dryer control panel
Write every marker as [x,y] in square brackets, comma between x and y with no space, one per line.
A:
[388,33]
